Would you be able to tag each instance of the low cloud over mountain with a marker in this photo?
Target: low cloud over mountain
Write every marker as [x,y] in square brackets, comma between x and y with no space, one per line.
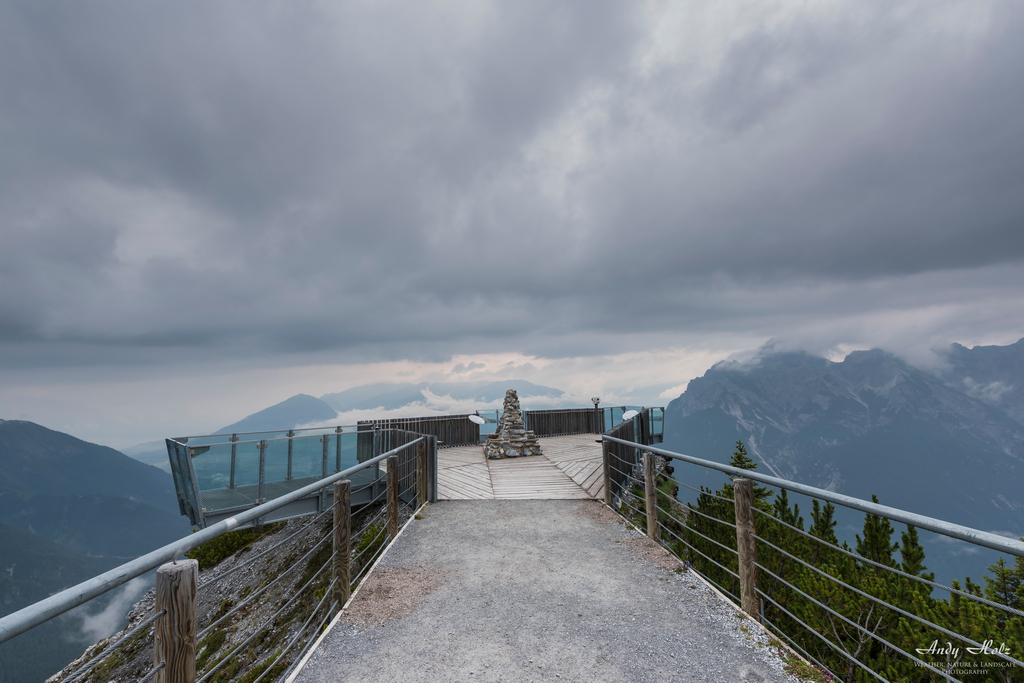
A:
[869,424]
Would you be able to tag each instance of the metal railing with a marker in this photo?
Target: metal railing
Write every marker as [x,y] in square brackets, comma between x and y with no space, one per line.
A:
[216,478]
[449,430]
[398,488]
[565,421]
[843,610]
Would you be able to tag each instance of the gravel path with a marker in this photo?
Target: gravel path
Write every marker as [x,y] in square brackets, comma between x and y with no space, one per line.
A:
[529,590]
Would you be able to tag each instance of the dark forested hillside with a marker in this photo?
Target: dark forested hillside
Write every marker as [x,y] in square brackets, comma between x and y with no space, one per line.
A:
[69,509]
[31,568]
[34,459]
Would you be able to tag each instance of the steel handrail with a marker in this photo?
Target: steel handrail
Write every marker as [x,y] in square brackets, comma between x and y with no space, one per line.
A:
[964,533]
[265,431]
[37,613]
[258,441]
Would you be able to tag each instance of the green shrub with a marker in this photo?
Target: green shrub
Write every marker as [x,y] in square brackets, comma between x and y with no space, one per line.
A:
[208,647]
[212,552]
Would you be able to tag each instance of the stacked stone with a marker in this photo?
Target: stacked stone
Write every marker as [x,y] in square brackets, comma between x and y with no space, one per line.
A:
[511,439]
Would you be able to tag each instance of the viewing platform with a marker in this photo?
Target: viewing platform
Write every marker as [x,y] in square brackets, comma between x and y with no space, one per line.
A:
[570,468]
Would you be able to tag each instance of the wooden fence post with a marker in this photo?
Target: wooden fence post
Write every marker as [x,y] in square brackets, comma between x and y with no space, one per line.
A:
[606,457]
[651,494]
[392,496]
[175,633]
[746,545]
[342,567]
[421,471]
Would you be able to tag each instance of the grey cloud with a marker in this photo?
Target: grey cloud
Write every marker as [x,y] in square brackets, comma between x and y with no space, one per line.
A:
[388,179]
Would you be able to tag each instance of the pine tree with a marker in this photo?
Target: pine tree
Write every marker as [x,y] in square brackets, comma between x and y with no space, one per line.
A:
[718,505]
[794,543]
[877,542]
[1004,585]
[742,461]
[912,561]
[823,526]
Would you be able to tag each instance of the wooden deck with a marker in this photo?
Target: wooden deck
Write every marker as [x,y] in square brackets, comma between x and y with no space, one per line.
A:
[570,468]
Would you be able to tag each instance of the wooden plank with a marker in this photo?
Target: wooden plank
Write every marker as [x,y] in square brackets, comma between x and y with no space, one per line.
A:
[465,483]
[463,493]
[592,477]
[469,488]
[457,457]
[532,477]
[568,464]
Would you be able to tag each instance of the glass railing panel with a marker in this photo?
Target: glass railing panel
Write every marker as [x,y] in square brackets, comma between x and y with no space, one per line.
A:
[658,420]
[308,457]
[344,457]
[492,418]
[286,459]
[212,464]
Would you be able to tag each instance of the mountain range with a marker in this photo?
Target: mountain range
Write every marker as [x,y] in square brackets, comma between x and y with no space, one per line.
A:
[992,374]
[389,396]
[69,509]
[947,443]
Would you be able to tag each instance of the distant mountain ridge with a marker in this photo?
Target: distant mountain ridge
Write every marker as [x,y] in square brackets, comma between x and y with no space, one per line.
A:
[69,509]
[869,424]
[34,459]
[297,410]
[992,374]
[391,396]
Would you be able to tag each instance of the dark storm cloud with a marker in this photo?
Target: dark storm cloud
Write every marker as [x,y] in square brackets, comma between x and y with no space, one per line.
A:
[404,179]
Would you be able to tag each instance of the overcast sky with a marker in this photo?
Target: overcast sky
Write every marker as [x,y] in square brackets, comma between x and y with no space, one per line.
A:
[206,207]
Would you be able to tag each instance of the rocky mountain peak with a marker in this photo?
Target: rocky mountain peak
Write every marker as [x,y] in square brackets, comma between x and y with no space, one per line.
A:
[865,425]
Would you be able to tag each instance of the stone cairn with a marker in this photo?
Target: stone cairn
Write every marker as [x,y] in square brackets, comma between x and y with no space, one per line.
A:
[510,439]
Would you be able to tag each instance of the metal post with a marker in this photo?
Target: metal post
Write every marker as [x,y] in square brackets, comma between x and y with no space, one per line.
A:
[746,545]
[375,490]
[421,473]
[606,457]
[174,643]
[342,566]
[263,465]
[431,468]
[337,450]
[231,482]
[392,496]
[326,441]
[288,475]
[651,494]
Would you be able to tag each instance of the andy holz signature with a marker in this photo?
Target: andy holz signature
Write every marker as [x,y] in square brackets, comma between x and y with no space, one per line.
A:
[948,649]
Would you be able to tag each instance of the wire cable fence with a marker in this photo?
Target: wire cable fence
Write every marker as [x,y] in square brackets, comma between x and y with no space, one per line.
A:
[913,577]
[83,672]
[259,598]
[310,600]
[858,614]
